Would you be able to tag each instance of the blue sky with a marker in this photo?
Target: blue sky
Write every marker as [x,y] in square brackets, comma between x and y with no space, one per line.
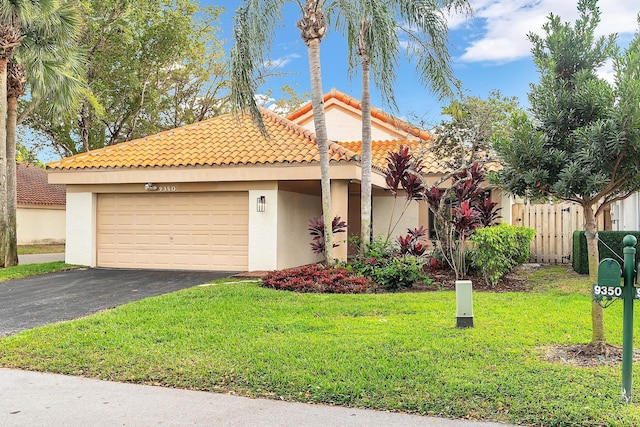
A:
[489,51]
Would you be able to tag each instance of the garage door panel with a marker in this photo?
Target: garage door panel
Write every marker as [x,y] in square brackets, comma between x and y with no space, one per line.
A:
[196,231]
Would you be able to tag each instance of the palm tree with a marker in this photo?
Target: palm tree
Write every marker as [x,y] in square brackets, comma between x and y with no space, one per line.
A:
[254,24]
[372,28]
[10,38]
[46,49]
[15,85]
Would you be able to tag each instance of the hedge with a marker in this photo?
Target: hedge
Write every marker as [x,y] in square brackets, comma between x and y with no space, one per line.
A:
[612,239]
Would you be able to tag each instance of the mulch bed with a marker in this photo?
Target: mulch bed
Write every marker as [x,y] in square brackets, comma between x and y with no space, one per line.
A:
[587,356]
[446,280]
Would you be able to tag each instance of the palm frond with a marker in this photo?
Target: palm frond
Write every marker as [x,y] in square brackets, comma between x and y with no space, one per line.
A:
[54,65]
[254,25]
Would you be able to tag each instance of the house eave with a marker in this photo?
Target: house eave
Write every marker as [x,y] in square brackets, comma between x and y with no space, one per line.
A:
[232,173]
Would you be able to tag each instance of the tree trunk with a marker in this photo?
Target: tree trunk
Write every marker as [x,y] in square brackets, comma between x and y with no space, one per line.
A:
[597,313]
[11,254]
[312,28]
[3,159]
[317,101]
[365,184]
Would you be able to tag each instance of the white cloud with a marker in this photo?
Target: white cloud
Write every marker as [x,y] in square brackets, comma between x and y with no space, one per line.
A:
[268,102]
[607,72]
[278,63]
[263,99]
[498,31]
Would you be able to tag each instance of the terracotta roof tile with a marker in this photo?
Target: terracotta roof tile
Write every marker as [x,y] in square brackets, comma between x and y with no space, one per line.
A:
[380,150]
[223,140]
[375,113]
[34,189]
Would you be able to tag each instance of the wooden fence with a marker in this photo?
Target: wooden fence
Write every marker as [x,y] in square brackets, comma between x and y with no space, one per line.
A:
[554,225]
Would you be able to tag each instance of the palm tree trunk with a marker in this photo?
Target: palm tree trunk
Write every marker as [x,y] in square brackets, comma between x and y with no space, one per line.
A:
[11,254]
[317,101]
[312,29]
[597,313]
[365,183]
[3,159]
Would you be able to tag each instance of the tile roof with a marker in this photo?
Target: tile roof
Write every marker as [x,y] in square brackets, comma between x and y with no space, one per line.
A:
[34,189]
[380,150]
[432,166]
[375,113]
[222,140]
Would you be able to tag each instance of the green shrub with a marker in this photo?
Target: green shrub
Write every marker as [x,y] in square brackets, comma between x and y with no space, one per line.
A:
[500,248]
[606,240]
[384,265]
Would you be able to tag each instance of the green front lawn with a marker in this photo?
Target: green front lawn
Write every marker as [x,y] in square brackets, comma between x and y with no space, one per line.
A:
[26,270]
[396,352]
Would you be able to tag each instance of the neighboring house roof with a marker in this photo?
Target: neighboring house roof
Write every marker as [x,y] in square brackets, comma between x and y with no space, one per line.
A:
[222,140]
[376,113]
[34,189]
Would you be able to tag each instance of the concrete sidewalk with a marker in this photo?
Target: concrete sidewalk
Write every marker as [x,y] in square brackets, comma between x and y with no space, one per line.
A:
[40,258]
[37,399]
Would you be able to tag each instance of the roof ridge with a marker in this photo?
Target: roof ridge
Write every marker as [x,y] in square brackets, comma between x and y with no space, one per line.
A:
[241,141]
[286,122]
[375,112]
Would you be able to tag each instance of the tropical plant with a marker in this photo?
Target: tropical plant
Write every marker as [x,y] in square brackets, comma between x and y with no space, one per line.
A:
[49,51]
[254,23]
[40,35]
[316,278]
[414,242]
[316,229]
[488,212]
[456,215]
[403,172]
[372,29]
[582,143]
[388,267]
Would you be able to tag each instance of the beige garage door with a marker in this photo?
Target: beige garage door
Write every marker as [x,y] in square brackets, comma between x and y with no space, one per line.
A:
[183,231]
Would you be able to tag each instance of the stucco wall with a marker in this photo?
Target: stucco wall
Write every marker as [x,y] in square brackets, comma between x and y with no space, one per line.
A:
[263,231]
[625,214]
[36,225]
[345,127]
[81,229]
[383,209]
[294,213]
[342,126]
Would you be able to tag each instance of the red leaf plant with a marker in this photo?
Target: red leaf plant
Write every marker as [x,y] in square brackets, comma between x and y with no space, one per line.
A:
[316,229]
[413,243]
[316,278]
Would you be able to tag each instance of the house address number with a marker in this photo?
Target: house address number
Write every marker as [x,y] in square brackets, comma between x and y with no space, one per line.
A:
[166,188]
[612,291]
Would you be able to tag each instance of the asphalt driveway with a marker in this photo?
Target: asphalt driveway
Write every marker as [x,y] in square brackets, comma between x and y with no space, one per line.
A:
[40,300]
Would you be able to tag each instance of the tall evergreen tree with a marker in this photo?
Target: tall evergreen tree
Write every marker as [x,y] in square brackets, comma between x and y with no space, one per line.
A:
[582,142]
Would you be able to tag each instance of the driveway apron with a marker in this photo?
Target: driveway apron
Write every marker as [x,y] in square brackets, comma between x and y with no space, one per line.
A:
[49,298]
